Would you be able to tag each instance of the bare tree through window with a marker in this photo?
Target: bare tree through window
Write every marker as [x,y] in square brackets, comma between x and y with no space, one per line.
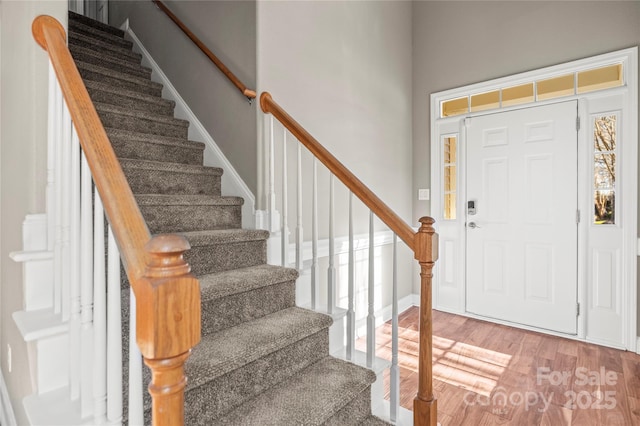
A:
[604,133]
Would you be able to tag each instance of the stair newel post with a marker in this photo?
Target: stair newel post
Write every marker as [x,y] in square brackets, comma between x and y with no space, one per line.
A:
[426,253]
[168,324]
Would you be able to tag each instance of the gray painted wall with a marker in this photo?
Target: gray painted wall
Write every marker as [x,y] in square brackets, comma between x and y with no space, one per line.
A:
[456,43]
[343,70]
[23,167]
[227,28]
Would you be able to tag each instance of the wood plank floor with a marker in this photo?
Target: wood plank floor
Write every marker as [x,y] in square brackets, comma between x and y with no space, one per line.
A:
[490,374]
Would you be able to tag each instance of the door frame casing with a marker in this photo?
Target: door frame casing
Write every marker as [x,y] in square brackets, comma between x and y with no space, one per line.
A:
[449,296]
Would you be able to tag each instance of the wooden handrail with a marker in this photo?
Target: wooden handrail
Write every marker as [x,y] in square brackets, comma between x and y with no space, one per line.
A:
[423,243]
[250,94]
[359,189]
[167,295]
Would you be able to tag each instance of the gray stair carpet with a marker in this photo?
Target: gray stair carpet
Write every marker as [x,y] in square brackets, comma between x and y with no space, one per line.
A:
[262,360]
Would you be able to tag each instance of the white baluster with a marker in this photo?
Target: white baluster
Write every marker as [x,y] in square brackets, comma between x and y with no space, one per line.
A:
[52,146]
[331,270]
[272,180]
[114,333]
[136,409]
[74,268]
[66,213]
[56,156]
[314,234]
[299,235]
[285,204]
[86,291]
[99,315]
[371,319]
[351,314]
[394,394]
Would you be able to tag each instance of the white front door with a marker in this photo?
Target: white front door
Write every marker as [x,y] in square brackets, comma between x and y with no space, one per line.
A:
[521,251]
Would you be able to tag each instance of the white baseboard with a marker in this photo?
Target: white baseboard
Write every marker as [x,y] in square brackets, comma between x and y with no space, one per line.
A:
[232,183]
[7,416]
[638,346]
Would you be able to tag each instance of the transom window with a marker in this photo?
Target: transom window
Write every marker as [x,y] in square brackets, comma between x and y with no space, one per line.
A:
[549,88]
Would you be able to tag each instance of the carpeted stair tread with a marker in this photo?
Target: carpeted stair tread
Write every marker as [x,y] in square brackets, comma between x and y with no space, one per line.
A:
[187,200]
[223,284]
[149,147]
[96,24]
[90,56]
[78,26]
[225,249]
[170,167]
[107,94]
[156,177]
[230,349]
[374,421]
[78,39]
[311,397]
[240,295]
[141,121]
[224,236]
[167,213]
[93,72]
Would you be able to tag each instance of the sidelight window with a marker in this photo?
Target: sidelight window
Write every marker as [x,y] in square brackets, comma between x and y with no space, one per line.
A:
[449,179]
[604,172]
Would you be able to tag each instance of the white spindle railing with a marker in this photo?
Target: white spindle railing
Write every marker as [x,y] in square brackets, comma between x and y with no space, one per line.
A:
[331,270]
[74,257]
[299,233]
[87,291]
[136,411]
[99,315]
[284,232]
[361,317]
[314,234]
[114,333]
[371,317]
[394,373]
[351,313]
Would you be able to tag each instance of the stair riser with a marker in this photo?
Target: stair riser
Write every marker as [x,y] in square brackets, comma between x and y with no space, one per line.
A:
[96,33]
[354,413]
[163,108]
[105,48]
[141,125]
[224,257]
[244,383]
[226,312]
[145,181]
[130,68]
[156,152]
[96,24]
[123,84]
[167,219]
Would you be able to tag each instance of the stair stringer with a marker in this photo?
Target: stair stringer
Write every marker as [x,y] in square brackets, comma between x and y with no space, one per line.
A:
[233,184]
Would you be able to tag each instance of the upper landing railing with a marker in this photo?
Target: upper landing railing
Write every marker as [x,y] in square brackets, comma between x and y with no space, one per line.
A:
[167,295]
[249,93]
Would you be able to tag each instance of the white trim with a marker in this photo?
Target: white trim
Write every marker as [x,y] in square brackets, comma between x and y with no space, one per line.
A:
[7,416]
[360,242]
[638,346]
[232,183]
[629,167]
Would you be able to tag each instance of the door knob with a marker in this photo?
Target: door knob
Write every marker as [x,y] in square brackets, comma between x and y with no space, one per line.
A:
[473,225]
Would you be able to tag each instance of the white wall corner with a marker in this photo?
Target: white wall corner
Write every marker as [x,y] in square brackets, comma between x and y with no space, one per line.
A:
[7,415]
[232,183]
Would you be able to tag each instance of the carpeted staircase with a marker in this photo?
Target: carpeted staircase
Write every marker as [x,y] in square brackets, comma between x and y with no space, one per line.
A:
[262,360]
